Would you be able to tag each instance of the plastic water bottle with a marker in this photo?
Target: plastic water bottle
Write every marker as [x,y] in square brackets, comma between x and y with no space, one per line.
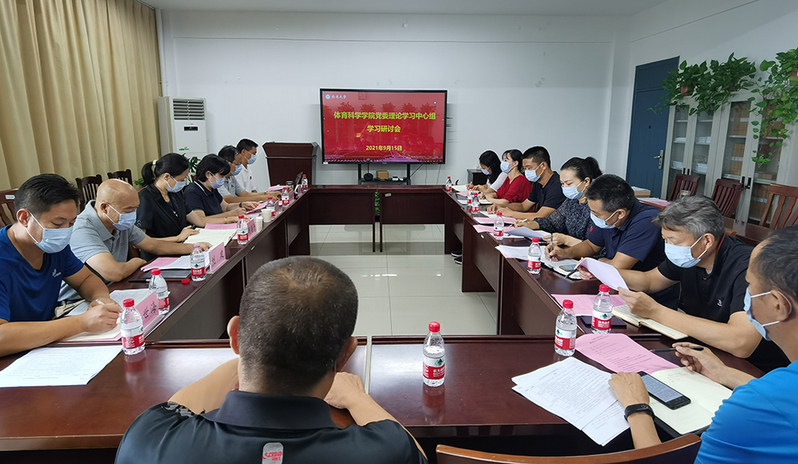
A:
[434,360]
[533,256]
[304,183]
[285,197]
[243,231]
[602,311]
[270,211]
[158,285]
[474,201]
[469,204]
[197,264]
[498,227]
[448,184]
[132,328]
[565,333]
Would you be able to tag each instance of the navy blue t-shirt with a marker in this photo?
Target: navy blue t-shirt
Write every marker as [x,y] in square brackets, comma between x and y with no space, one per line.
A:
[637,237]
[27,294]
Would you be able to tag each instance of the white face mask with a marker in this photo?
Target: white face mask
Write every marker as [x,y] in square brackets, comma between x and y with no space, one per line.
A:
[573,192]
[602,223]
[757,325]
[53,240]
[532,174]
[682,256]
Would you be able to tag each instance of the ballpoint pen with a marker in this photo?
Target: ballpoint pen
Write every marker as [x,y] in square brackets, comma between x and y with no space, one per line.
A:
[665,350]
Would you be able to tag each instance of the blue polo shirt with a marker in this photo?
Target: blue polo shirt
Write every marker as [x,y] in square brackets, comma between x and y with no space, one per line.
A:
[28,294]
[758,423]
[637,237]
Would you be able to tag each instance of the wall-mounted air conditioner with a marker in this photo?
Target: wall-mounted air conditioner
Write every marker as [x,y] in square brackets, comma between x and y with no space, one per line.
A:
[181,122]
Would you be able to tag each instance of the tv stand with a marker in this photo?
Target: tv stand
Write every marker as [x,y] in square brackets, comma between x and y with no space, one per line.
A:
[375,181]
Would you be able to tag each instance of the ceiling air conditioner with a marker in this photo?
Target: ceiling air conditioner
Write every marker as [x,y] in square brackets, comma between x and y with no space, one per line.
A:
[181,122]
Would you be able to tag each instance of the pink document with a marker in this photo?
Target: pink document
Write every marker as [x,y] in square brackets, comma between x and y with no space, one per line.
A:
[159,263]
[487,220]
[489,229]
[583,304]
[221,226]
[619,353]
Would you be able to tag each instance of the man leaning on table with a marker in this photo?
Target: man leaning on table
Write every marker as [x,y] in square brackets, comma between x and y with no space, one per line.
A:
[711,268]
[272,404]
[34,259]
[233,191]
[104,232]
[758,422]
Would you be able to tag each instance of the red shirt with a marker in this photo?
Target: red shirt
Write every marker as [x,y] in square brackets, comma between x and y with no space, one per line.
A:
[516,191]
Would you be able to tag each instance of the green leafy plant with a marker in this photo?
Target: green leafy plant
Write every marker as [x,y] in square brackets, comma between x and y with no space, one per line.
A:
[138,182]
[778,105]
[192,164]
[681,83]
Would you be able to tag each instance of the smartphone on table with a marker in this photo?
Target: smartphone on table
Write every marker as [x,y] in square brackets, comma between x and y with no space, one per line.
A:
[666,395]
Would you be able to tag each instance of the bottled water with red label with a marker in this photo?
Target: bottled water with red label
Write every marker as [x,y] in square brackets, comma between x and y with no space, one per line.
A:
[197,264]
[602,311]
[158,285]
[434,360]
[304,183]
[448,184]
[132,328]
[533,257]
[243,230]
[498,227]
[286,199]
[474,201]
[565,333]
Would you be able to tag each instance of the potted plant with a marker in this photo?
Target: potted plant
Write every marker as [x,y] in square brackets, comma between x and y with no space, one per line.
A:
[682,82]
[778,105]
[721,81]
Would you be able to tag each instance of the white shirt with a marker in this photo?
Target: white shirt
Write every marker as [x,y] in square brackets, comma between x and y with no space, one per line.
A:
[245,179]
[499,181]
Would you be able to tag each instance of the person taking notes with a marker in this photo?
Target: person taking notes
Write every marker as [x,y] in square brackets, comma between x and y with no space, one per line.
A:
[515,188]
[490,165]
[204,203]
[106,229]
[293,337]
[711,268]
[546,194]
[758,422]
[621,226]
[249,154]
[231,190]
[571,221]
[34,259]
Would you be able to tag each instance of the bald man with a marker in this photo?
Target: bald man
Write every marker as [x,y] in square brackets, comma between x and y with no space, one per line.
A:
[104,231]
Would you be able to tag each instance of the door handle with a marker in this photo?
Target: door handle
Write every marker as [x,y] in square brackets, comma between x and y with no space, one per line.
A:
[660,158]
[749,183]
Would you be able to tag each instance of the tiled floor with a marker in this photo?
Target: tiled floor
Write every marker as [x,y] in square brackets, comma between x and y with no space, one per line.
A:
[410,284]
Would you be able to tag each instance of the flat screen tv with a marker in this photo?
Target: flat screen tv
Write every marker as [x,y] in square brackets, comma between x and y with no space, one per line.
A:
[383,126]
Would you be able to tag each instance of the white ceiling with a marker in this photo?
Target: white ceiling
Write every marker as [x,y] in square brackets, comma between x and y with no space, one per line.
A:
[469,7]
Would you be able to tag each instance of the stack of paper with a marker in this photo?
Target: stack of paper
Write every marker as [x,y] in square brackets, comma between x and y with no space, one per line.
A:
[489,229]
[530,234]
[606,273]
[491,220]
[460,188]
[514,252]
[164,263]
[619,353]
[705,399]
[214,237]
[44,367]
[579,393]
[221,226]
[625,313]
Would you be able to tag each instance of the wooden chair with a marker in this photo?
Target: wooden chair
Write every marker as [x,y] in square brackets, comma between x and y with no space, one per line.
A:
[88,188]
[7,216]
[684,182]
[682,449]
[784,213]
[727,195]
[125,175]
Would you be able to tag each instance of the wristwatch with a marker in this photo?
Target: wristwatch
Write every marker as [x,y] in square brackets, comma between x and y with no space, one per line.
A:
[635,408]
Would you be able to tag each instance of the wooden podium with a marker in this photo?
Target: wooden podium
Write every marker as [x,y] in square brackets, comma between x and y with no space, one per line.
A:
[286,160]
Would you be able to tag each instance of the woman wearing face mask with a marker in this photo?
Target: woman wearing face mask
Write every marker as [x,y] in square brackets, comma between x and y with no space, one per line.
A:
[571,221]
[162,210]
[203,202]
[516,188]
[490,165]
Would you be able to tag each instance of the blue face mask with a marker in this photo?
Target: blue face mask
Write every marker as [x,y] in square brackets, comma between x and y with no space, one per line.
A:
[252,159]
[747,308]
[219,181]
[179,185]
[486,172]
[532,174]
[682,256]
[573,192]
[602,223]
[53,240]
[126,220]
[238,169]
[505,167]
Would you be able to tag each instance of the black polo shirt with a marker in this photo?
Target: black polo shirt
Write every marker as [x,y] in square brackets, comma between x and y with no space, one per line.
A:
[198,197]
[290,430]
[721,293]
[550,195]
[160,218]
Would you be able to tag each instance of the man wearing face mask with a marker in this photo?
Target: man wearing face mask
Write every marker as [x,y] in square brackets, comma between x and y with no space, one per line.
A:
[105,230]
[546,194]
[34,259]
[711,268]
[249,153]
[757,423]
[622,228]
[232,191]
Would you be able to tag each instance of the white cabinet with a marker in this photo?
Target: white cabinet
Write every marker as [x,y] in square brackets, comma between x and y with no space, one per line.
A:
[721,145]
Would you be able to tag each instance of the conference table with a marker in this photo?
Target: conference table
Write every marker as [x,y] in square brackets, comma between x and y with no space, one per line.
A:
[475,408]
